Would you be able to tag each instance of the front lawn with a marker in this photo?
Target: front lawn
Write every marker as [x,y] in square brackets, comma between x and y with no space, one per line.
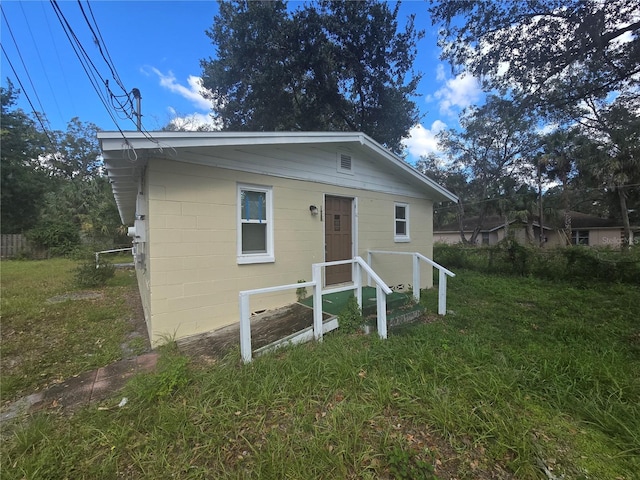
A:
[523,379]
[52,330]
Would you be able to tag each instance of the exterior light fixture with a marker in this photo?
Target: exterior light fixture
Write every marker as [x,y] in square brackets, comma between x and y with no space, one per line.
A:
[313,209]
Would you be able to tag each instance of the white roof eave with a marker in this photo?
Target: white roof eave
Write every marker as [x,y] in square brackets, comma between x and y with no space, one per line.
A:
[125,155]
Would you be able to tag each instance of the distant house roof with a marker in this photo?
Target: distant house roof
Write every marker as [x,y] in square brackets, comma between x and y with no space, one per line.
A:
[125,155]
[579,220]
[586,221]
[489,224]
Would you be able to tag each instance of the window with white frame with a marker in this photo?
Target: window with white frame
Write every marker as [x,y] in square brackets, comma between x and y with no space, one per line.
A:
[255,224]
[401,222]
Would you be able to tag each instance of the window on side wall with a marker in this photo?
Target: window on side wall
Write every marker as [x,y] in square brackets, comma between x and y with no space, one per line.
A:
[580,237]
[401,223]
[255,224]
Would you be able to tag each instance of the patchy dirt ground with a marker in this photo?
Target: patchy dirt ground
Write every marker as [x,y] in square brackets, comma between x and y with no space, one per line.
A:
[266,328]
[137,341]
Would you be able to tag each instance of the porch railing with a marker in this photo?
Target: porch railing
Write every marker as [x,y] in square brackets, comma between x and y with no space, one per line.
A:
[417,257]
[359,265]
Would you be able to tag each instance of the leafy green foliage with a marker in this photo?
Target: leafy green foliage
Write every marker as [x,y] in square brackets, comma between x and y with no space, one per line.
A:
[552,53]
[350,318]
[608,150]
[580,265]
[406,465]
[489,162]
[23,182]
[337,66]
[90,275]
[52,184]
[301,292]
[77,151]
[59,238]
[573,64]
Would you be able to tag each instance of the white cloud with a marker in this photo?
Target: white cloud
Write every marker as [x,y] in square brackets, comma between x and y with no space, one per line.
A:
[547,128]
[192,92]
[440,75]
[461,91]
[194,121]
[422,141]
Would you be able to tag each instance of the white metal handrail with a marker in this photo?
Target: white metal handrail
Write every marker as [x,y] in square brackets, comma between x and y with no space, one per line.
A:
[110,251]
[442,278]
[382,290]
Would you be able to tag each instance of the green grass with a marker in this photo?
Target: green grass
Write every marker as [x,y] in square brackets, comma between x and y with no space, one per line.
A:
[45,342]
[522,373]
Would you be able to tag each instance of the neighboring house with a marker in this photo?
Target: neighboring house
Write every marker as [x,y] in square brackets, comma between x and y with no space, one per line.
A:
[585,230]
[597,232]
[215,213]
[492,230]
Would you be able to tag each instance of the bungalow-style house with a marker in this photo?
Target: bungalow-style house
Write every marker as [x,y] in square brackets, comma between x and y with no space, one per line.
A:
[586,229]
[596,231]
[493,229]
[216,213]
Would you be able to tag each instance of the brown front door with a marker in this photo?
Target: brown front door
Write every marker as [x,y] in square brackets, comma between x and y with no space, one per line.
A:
[338,238]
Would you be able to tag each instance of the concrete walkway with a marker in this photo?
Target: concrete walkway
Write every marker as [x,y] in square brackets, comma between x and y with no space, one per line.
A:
[84,389]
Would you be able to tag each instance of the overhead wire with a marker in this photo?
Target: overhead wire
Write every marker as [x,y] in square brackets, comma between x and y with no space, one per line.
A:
[85,61]
[44,129]
[126,105]
[60,63]
[44,70]
[100,42]
[37,113]
[122,104]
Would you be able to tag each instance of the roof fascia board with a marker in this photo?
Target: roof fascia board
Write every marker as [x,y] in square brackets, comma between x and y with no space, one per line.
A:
[380,150]
[117,142]
[161,140]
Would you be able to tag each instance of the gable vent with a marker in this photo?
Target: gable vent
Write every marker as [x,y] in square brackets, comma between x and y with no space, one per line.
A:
[345,162]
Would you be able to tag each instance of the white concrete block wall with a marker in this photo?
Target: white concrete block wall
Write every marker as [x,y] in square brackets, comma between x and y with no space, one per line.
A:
[194,278]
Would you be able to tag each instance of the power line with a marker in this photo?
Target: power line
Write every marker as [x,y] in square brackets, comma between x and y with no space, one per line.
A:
[120,104]
[100,41]
[60,63]
[87,64]
[36,113]
[44,70]
[27,95]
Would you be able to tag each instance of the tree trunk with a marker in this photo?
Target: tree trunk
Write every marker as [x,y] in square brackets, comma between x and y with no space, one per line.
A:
[625,217]
[565,205]
[461,223]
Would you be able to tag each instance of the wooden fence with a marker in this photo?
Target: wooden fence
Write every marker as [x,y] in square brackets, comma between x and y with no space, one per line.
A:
[12,245]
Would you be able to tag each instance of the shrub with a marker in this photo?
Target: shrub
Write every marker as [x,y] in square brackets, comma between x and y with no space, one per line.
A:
[453,256]
[90,275]
[581,265]
[301,292]
[350,318]
[59,238]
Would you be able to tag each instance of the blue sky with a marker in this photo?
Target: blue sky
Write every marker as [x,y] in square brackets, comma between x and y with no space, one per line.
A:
[156,47]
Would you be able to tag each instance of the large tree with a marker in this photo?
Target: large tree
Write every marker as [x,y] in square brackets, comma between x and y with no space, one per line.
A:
[557,163]
[609,152]
[551,53]
[77,152]
[53,187]
[494,151]
[330,65]
[24,182]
